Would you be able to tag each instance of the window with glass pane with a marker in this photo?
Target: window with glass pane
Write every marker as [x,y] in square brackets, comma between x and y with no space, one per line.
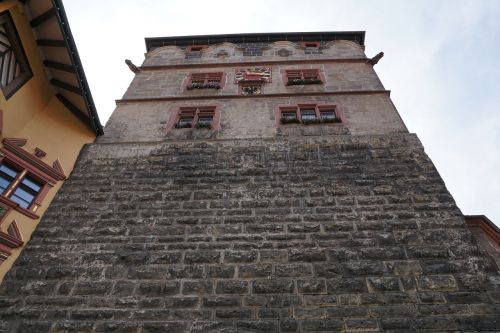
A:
[289,115]
[308,114]
[206,120]
[328,115]
[186,121]
[7,176]
[26,192]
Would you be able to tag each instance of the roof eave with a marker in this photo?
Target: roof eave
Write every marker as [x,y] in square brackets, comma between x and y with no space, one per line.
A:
[355,36]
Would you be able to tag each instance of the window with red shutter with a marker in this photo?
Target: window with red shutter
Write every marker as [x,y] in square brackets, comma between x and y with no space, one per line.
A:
[308,114]
[196,117]
[303,76]
[205,81]
[194,51]
[312,47]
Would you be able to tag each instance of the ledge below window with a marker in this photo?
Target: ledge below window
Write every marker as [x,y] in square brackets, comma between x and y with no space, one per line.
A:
[18,208]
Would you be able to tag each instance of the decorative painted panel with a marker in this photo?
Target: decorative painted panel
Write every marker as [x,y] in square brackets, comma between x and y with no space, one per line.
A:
[257,74]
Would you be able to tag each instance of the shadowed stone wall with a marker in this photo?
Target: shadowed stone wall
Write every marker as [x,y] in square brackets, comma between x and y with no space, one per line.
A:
[318,234]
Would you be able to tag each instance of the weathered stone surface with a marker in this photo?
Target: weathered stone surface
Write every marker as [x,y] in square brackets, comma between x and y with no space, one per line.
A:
[211,243]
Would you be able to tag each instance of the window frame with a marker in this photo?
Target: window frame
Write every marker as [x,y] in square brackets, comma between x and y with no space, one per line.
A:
[311,45]
[191,48]
[287,73]
[221,79]
[318,108]
[23,171]
[197,110]
[29,165]
[20,55]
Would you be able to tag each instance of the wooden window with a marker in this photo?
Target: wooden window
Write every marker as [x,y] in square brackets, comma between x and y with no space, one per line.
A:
[311,44]
[328,114]
[7,175]
[196,48]
[14,66]
[197,117]
[25,193]
[18,185]
[194,51]
[303,76]
[24,178]
[308,114]
[312,48]
[288,115]
[205,80]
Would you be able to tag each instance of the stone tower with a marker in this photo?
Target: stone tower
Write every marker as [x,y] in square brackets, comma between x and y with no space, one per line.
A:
[253,183]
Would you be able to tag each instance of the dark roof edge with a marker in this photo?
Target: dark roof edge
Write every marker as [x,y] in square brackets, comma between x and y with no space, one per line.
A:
[485,224]
[94,122]
[355,36]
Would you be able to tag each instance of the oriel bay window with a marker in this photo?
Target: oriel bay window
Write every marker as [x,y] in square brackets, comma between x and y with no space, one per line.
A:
[308,114]
[197,117]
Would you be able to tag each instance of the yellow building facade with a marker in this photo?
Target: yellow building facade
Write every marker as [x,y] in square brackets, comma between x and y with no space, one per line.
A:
[46,116]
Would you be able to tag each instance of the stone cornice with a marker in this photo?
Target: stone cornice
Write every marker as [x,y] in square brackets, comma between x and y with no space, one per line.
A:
[280,95]
[253,63]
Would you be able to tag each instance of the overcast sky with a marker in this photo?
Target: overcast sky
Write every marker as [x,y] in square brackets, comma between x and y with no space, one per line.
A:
[441,63]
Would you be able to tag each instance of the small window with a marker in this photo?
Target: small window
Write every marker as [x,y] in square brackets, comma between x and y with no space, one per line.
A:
[196,48]
[14,70]
[18,186]
[308,114]
[289,115]
[7,176]
[312,47]
[204,81]
[196,117]
[303,76]
[194,51]
[26,192]
[328,116]
[311,44]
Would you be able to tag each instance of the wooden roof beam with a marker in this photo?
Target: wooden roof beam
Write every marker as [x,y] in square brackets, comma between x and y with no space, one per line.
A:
[74,109]
[51,42]
[60,66]
[66,86]
[43,17]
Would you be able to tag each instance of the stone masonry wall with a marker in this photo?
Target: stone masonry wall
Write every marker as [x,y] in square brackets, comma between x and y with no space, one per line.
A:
[305,234]
[251,118]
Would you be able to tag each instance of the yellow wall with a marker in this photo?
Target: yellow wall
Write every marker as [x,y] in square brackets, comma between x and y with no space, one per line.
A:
[35,114]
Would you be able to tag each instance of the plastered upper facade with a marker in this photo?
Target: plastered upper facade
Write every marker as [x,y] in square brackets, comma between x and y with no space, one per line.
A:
[159,90]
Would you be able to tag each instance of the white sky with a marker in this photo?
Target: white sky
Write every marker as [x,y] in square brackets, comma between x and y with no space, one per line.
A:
[442,64]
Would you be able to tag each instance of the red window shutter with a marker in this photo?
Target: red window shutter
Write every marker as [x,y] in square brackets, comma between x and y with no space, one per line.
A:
[311,44]
[310,74]
[187,111]
[294,74]
[214,77]
[198,78]
[206,110]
